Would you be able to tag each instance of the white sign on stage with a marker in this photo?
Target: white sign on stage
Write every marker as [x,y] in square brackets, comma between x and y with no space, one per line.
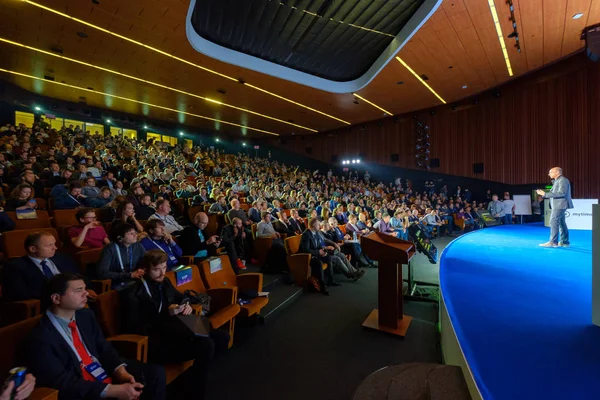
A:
[522,204]
[578,218]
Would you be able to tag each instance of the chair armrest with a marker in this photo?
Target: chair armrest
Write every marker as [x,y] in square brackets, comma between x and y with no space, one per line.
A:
[222,297]
[16,311]
[100,285]
[299,264]
[131,346]
[224,315]
[196,309]
[221,250]
[43,393]
[250,281]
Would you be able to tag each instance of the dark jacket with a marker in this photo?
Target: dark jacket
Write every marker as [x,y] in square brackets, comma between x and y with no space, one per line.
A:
[254,215]
[109,267]
[23,280]
[283,228]
[66,202]
[190,243]
[312,245]
[297,226]
[228,234]
[52,362]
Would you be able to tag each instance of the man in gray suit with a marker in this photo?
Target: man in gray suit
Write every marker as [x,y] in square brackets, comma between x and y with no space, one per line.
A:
[560,201]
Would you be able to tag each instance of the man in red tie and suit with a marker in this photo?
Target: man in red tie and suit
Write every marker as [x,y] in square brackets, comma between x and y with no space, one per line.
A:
[68,352]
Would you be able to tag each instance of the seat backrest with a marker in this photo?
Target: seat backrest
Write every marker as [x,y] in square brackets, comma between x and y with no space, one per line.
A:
[64,218]
[245,207]
[108,313]
[195,284]
[225,277]
[42,220]
[253,229]
[87,260]
[342,228]
[212,226]
[11,341]
[41,203]
[292,244]
[13,241]
[192,211]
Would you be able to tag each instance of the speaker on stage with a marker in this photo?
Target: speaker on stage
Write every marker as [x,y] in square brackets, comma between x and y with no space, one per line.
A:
[486,218]
[423,242]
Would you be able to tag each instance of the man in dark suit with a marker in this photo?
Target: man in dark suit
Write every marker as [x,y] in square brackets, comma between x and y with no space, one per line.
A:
[193,242]
[313,242]
[234,238]
[71,199]
[24,278]
[283,226]
[295,222]
[67,351]
[560,202]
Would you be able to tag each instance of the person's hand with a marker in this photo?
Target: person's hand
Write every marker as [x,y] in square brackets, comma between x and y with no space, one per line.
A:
[122,376]
[337,247]
[394,234]
[187,309]
[92,225]
[168,237]
[30,205]
[138,273]
[243,235]
[213,239]
[330,248]
[82,196]
[322,253]
[540,192]
[176,309]
[23,391]
[125,391]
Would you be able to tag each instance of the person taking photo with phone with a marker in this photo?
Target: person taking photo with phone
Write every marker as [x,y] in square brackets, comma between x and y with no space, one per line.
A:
[151,306]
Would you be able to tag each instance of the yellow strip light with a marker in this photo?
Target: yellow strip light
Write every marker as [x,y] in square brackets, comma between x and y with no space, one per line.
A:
[401,61]
[136,101]
[500,35]
[152,83]
[373,104]
[164,53]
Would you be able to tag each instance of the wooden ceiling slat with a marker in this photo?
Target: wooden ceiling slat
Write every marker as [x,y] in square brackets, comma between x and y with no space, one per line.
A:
[573,27]
[532,31]
[554,23]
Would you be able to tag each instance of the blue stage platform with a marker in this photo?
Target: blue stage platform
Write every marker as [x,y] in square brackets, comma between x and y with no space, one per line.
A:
[522,314]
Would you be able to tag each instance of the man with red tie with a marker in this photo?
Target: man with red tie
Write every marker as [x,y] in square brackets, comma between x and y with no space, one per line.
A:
[68,352]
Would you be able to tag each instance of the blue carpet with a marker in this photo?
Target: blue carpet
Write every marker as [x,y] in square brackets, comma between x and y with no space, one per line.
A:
[522,313]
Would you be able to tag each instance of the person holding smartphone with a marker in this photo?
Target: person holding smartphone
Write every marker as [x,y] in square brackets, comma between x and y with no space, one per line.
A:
[21,198]
[22,392]
[151,306]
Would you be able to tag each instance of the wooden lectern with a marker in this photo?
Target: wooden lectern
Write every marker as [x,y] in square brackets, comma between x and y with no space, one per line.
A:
[391,253]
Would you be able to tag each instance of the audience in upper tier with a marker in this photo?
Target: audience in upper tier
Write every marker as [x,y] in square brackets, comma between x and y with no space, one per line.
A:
[163,204]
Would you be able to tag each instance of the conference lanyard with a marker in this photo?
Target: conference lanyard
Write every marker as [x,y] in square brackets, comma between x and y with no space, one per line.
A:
[121,260]
[168,251]
[67,339]
[150,294]
[78,202]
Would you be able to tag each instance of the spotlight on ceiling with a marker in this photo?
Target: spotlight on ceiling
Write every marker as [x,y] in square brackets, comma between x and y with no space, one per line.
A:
[358,161]
[217,140]
[180,133]
[244,144]
[108,121]
[145,126]
[353,161]
[37,108]
[513,35]
[578,15]
[464,86]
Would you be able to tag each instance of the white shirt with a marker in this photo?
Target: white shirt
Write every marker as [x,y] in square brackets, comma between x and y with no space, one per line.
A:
[170,224]
[38,263]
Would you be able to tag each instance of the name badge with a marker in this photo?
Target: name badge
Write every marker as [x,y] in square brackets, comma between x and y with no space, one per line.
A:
[173,259]
[96,371]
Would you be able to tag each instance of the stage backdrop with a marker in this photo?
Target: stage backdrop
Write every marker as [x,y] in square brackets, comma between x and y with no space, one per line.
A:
[579,217]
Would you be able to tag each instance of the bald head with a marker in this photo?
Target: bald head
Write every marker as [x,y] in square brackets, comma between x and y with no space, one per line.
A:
[201,220]
[555,172]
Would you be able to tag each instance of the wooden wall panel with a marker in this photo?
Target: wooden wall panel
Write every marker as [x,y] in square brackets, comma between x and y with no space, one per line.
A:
[545,119]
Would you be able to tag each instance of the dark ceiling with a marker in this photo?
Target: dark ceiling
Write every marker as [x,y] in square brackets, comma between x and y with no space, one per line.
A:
[334,39]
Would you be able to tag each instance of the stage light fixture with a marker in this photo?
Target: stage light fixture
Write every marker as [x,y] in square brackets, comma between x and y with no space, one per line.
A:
[217,140]
[401,61]
[500,35]
[464,86]
[145,126]
[135,101]
[243,144]
[180,133]
[513,34]
[167,54]
[578,15]
[358,161]
[37,108]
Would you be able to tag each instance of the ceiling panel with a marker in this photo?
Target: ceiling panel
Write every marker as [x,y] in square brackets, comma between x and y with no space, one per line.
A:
[460,35]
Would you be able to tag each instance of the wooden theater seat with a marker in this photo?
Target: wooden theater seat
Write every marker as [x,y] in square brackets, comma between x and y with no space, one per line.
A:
[87,260]
[11,342]
[226,278]
[42,220]
[299,263]
[13,241]
[108,312]
[223,304]
[62,219]
[16,311]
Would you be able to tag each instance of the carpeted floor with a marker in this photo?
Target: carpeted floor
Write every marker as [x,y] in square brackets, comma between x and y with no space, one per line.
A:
[317,349]
[522,313]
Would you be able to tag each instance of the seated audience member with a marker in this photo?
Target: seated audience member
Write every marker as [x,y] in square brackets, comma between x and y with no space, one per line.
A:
[398,223]
[496,209]
[70,199]
[254,212]
[90,189]
[24,277]
[67,351]
[313,242]
[340,216]
[466,217]
[126,214]
[233,237]
[159,239]
[362,223]
[276,208]
[65,176]
[276,258]
[22,392]
[163,211]
[282,226]
[145,210]
[431,220]
[265,227]
[108,180]
[383,225]
[118,189]
[151,307]
[135,191]
[29,177]
[119,259]
[219,207]
[100,201]
[339,261]
[237,212]
[193,241]
[21,198]
[52,172]
[296,223]
[89,233]
[348,245]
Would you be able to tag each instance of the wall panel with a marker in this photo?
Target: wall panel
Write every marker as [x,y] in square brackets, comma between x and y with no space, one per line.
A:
[549,117]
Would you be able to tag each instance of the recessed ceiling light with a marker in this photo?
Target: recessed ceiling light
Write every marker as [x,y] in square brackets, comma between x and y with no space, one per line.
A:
[145,126]
[464,86]
[37,109]
[180,133]
[82,35]
[578,15]
[108,121]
